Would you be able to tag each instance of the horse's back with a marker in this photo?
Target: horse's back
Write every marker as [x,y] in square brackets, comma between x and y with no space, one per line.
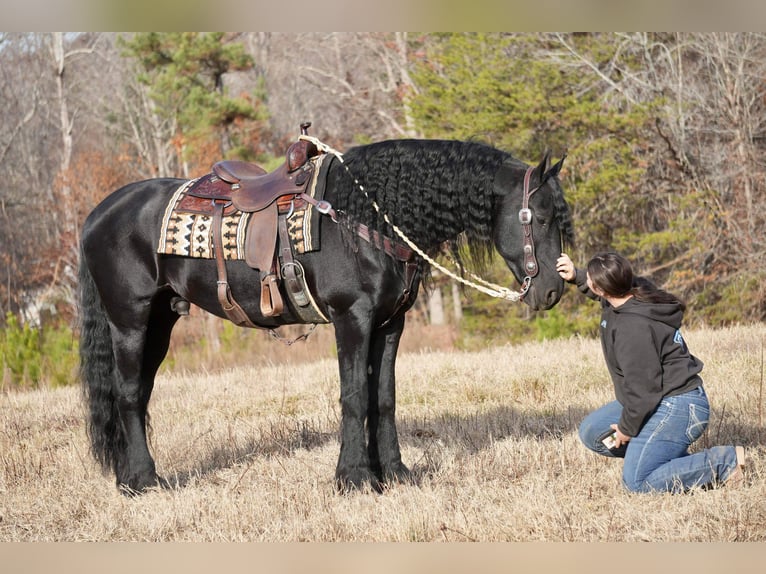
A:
[133,211]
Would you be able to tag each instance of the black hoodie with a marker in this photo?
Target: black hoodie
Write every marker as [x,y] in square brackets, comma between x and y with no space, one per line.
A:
[646,355]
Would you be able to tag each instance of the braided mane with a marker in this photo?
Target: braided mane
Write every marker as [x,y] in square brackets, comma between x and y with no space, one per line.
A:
[435,191]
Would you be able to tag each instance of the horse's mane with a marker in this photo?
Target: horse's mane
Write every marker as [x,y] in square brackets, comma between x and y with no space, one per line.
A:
[433,190]
[563,216]
[436,191]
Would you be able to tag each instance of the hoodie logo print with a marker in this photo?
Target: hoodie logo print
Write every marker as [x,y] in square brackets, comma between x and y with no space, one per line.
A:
[678,339]
[603,323]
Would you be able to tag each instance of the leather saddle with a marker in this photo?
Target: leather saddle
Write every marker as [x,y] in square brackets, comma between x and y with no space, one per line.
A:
[238,185]
[252,189]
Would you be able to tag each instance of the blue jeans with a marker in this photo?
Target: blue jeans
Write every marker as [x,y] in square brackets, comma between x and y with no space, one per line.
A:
[658,458]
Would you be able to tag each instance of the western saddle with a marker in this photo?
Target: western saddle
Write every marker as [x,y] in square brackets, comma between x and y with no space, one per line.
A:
[268,197]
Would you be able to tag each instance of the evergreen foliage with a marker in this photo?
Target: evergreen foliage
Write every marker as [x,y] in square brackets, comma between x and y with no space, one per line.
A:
[30,356]
[185,75]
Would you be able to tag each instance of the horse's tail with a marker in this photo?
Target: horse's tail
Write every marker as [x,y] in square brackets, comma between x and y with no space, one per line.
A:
[97,373]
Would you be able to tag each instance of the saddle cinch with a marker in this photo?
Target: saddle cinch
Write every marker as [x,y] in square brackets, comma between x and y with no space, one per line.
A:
[267,197]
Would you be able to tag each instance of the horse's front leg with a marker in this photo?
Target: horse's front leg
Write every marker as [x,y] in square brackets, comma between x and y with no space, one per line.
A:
[352,335]
[383,448]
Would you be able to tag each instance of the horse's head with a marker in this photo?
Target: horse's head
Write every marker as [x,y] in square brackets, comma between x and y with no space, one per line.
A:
[531,226]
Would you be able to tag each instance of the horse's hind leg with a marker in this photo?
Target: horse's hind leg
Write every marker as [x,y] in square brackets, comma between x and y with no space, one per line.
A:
[383,445]
[139,352]
[134,466]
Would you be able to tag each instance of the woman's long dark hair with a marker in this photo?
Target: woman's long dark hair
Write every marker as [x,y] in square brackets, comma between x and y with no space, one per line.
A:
[613,274]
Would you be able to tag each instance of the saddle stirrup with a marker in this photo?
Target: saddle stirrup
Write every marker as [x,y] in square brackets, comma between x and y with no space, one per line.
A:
[271,301]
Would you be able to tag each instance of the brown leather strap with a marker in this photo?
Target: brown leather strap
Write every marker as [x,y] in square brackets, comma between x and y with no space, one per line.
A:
[322,206]
[289,266]
[394,249]
[531,267]
[233,311]
[405,299]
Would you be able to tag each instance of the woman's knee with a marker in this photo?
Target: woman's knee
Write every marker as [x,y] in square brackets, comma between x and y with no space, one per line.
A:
[634,477]
[631,484]
[590,430]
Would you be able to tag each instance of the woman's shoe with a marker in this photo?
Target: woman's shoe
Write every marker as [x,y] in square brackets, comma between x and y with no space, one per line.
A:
[737,476]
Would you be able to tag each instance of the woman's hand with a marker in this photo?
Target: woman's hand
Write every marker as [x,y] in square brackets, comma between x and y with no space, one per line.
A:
[566,268]
[621,438]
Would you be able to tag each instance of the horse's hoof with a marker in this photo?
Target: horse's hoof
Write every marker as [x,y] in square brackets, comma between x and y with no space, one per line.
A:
[356,480]
[399,474]
[128,491]
[138,487]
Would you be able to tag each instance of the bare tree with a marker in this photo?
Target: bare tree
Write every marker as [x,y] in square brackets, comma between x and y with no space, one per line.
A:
[62,52]
[46,95]
[26,169]
[393,53]
[137,122]
[352,86]
[733,102]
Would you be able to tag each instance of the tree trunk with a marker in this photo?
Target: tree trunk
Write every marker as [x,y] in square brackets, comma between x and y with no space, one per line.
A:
[65,122]
[457,304]
[436,307]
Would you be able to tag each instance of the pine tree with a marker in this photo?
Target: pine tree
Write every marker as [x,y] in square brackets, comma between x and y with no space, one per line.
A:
[184,72]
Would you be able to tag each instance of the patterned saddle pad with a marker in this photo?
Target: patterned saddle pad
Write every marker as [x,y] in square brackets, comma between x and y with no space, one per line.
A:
[190,234]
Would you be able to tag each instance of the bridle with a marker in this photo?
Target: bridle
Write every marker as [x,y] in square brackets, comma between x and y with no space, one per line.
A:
[531,268]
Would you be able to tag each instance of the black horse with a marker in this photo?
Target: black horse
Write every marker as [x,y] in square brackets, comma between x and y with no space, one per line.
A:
[463,194]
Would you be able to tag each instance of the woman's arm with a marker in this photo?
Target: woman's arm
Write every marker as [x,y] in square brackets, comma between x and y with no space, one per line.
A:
[571,274]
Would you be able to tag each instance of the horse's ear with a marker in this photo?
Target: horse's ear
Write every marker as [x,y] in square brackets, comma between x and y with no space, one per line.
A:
[554,171]
[545,164]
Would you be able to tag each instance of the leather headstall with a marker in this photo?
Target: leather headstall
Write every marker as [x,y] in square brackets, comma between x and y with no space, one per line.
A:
[531,267]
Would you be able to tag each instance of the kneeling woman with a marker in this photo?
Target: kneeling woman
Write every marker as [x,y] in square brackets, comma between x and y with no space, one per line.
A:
[661,406]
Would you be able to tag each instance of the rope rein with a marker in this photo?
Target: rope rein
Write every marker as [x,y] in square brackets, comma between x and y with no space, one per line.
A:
[481,285]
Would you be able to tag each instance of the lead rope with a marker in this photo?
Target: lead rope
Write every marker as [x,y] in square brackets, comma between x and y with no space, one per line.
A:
[483,286]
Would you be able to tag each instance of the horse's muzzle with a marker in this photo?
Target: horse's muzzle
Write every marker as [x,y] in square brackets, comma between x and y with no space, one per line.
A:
[542,300]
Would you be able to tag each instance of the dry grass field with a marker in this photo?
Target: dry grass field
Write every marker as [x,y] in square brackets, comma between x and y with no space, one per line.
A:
[490,436]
